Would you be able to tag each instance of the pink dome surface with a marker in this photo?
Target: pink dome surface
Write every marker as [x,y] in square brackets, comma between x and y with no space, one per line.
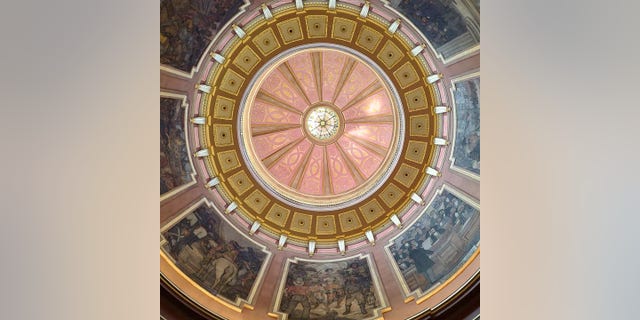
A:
[289,152]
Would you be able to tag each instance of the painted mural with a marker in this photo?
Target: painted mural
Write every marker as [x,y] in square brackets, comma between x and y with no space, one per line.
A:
[188,26]
[213,254]
[330,290]
[451,26]
[175,168]
[438,243]
[466,151]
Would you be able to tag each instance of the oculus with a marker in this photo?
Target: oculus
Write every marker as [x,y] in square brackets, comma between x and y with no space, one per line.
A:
[322,123]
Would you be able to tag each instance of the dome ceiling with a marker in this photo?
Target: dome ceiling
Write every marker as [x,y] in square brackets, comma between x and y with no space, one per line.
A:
[318,130]
[321,127]
[261,143]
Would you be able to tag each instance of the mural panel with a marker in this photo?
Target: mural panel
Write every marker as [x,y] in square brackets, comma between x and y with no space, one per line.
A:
[466,149]
[214,255]
[451,26]
[337,289]
[188,26]
[175,167]
[439,242]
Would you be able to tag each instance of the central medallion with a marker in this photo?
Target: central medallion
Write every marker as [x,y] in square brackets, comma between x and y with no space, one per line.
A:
[323,124]
[321,127]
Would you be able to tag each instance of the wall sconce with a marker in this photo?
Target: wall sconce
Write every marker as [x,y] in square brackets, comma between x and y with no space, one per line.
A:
[312,247]
[342,247]
[434,78]
[441,109]
[365,9]
[201,153]
[416,51]
[440,142]
[433,172]
[217,57]
[254,227]
[266,12]
[394,26]
[199,120]
[370,237]
[232,206]
[394,218]
[238,31]
[212,183]
[417,199]
[203,88]
[282,241]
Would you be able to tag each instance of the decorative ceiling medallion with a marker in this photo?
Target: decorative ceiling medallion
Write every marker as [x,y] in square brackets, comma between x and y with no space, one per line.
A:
[322,123]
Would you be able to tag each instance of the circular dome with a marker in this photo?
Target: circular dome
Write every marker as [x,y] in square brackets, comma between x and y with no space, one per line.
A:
[321,127]
[281,160]
[322,138]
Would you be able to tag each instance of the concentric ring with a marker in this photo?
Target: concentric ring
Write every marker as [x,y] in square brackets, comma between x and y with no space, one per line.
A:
[335,169]
[241,70]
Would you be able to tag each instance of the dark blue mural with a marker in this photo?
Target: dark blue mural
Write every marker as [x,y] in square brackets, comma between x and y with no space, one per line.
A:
[438,243]
[175,168]
[451,26]
[466,151]
[188,26]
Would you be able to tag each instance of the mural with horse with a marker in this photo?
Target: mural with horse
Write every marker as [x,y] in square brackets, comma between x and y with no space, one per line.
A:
[219,259]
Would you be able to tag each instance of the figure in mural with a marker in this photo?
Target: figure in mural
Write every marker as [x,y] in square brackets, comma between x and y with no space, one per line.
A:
[219,259]
[175,168]
[188,26]
[438,19]
[355,288]
[335,290]
[297,294]
[219,263]
[438,242]
[451,26]
[421,259]
[183,235]
[466,151]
